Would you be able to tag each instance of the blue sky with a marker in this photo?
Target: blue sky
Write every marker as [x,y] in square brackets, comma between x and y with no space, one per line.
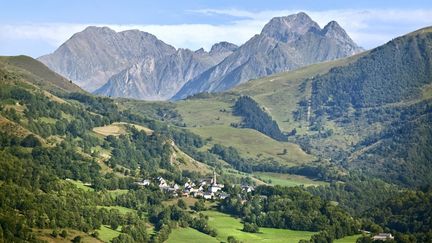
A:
[38,27]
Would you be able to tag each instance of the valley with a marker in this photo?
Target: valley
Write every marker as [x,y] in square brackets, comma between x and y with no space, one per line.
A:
[296,135]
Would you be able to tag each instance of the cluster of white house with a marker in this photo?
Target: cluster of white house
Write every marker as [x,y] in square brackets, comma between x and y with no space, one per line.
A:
[203,188]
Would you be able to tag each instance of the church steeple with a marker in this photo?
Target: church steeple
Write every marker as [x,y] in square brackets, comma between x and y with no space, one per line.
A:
[214,178]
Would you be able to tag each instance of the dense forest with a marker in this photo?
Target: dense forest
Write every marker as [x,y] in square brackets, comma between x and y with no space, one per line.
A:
[390,73]
[291,208]
[256,118]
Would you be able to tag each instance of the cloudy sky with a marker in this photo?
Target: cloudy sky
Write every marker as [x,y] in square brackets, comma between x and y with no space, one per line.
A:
[38,27]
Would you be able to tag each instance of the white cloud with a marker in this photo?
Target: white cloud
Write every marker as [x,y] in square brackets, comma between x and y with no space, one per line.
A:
[369,28]
[53,33]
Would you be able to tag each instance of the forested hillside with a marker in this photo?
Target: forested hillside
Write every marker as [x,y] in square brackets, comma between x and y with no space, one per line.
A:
[394,72]
[62,181]
[254,117]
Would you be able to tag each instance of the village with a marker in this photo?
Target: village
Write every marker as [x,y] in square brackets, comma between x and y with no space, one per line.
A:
[207,188]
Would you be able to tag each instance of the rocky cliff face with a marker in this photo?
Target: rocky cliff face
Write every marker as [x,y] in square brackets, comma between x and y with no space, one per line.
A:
[160,78]
[285,43]
[91,57]
[132,64]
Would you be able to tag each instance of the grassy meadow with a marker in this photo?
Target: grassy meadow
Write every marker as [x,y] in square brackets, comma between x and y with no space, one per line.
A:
[189,235]
[122,210]
[229,226]
[106,234]
[80,185]
[348,239]
[287,179]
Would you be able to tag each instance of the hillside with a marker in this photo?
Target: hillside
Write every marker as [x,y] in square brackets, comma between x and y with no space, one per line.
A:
[36,73]
[354,112]
[75,165]
[285,43]
[360,111]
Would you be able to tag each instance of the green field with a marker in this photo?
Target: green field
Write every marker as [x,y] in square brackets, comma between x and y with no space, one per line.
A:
[122,210]
[117,192]
[229,226]
[253,144]
[80,185]
[107,234]
[287,179]
[207,112]
[348,239]
[189,235]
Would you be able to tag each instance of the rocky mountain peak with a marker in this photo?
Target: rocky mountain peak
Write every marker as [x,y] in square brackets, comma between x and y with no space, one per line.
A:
[223,46]
[92,56]
[335,32]
[95,29]
[200,51]
[289,28]
[333,29]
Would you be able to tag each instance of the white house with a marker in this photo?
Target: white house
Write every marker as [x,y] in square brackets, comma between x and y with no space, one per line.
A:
[383,237]
[208,195]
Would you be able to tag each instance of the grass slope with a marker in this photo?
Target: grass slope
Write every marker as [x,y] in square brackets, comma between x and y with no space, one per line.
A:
[287,179]
[37,73]
[80,185]
[106,234]
[122,210]
[188,235]
[229,226]
[280,93]
[348,239]
[179,158]
[45,236]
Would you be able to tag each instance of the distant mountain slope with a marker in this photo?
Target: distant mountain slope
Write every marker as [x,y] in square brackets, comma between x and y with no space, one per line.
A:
[161,78]
[285,43]
[394,72]
[35,72]
[370,112]
[92,56]
[384,98]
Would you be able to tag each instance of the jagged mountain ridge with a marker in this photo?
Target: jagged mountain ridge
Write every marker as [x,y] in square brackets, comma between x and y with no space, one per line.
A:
[135,64]
[160,78]
[132,63]
[285,43]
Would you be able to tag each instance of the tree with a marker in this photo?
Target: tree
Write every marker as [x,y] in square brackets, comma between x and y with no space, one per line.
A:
[114,224]
[182,204]
[77,239]
[123,238]
[64,234]
[30,141]
[232,239]
[199,205]
[95,234]
[54,233]
[250,227]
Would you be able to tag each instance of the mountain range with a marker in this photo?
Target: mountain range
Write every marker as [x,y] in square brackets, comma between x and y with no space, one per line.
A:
[135,64]
[325,150]
[285,43]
